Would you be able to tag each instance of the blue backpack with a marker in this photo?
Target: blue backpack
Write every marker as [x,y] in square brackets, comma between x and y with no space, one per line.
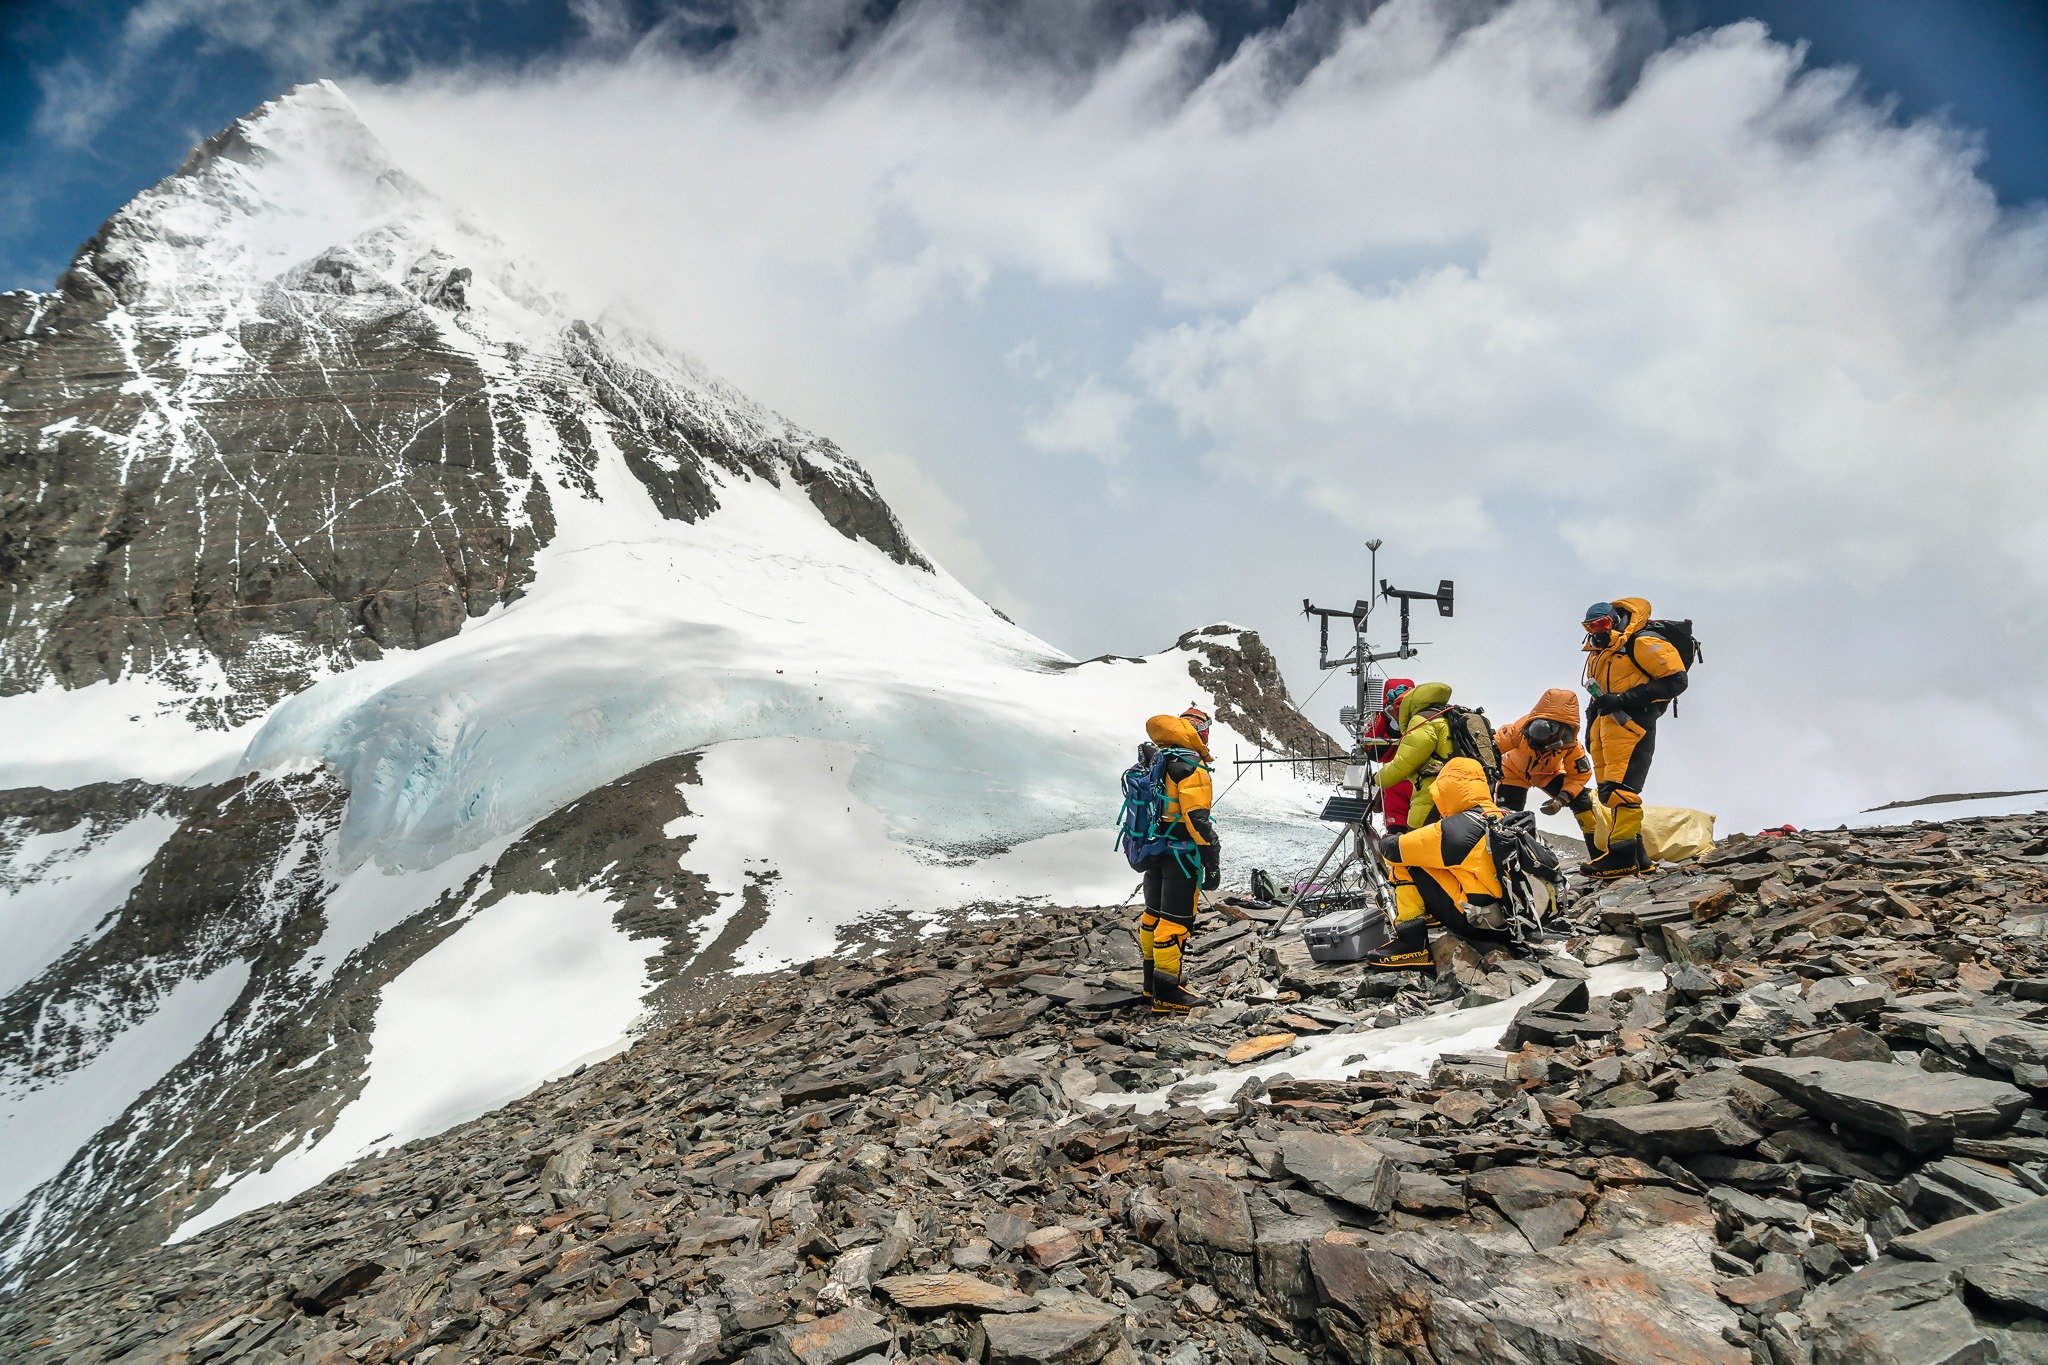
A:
[1141,828]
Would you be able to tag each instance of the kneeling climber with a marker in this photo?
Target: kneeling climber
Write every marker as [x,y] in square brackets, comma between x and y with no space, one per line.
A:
[1632,675]
[1542,749]
[1440,869]
[1190,864]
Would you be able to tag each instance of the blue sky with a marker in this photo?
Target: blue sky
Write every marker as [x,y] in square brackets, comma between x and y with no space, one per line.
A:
[1145,325]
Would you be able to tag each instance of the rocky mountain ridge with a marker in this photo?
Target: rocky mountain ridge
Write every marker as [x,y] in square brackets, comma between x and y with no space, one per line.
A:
[1816,1133]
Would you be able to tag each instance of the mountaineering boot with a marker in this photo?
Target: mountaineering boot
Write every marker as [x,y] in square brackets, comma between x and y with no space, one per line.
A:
[1150,972]
[1169,994]
[1618,861]
[1624,856]
[1407,950]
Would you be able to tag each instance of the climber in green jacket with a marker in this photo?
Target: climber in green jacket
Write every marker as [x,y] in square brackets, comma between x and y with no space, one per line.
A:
[1425,748]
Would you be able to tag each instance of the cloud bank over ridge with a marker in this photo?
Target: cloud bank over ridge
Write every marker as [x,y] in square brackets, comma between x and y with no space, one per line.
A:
[1564,307]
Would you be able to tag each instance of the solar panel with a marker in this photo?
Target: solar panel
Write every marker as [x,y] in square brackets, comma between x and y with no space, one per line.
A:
[1346,809]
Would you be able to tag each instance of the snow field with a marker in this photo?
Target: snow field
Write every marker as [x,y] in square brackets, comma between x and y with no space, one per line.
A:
[131,728]
[42,1125]
[1413,1046]
[57,890]
[527,989]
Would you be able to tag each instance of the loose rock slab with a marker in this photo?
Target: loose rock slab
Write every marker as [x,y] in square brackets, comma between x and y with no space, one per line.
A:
[1042,1337]
[1265,1045]
[845,1335]
[1897,1311]
[947,1289]
[1922,1111]
[1671,1128]
[1342,1168]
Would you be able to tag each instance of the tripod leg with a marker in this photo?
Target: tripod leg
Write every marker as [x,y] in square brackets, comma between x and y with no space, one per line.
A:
[1311,879]
[1374,873]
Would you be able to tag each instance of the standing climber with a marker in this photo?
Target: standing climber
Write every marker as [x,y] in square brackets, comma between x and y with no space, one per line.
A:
[1542,749]
[1440,870]
[1632,675]
[1381,738]
[1424,749]
[1190,864]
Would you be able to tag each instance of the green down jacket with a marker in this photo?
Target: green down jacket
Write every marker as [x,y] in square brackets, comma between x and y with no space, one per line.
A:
[1425,748]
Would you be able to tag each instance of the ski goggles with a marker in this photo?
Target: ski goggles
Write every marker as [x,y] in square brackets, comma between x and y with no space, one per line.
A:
[1600,625]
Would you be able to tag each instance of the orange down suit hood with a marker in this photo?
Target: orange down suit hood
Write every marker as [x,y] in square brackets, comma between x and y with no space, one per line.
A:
[1460,787]
[1190,795]
[1522,765]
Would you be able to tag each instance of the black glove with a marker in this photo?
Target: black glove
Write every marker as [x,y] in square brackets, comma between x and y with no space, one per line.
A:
[1601,705]
[1212,866]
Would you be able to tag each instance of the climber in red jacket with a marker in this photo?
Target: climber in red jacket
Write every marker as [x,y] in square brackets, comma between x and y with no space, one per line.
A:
[1380,738]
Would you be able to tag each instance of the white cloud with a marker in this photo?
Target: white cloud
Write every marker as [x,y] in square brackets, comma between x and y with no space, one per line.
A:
[1092,419]
[74,102]
[1025,359]
[606,23]
[1477,277]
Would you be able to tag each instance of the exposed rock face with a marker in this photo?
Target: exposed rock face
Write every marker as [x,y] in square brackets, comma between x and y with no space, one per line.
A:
[1235,665]
[277,433]
[838,1164]
[347,483]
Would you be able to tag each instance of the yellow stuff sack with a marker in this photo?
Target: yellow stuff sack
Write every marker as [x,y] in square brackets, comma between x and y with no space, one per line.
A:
[1671,834]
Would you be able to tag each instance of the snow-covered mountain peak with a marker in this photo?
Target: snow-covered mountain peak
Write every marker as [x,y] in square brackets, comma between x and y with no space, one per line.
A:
[301,196]
[270,192]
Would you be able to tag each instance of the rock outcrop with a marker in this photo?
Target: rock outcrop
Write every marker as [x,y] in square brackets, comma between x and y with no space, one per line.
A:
[1237,668]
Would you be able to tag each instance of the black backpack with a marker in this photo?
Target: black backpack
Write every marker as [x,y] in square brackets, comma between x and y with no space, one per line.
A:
[1472,737]
[1677,634]
[1529,871]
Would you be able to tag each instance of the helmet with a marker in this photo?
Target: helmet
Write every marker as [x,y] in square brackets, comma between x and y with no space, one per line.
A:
[1199,718]
[1395,691]
[1544,733]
